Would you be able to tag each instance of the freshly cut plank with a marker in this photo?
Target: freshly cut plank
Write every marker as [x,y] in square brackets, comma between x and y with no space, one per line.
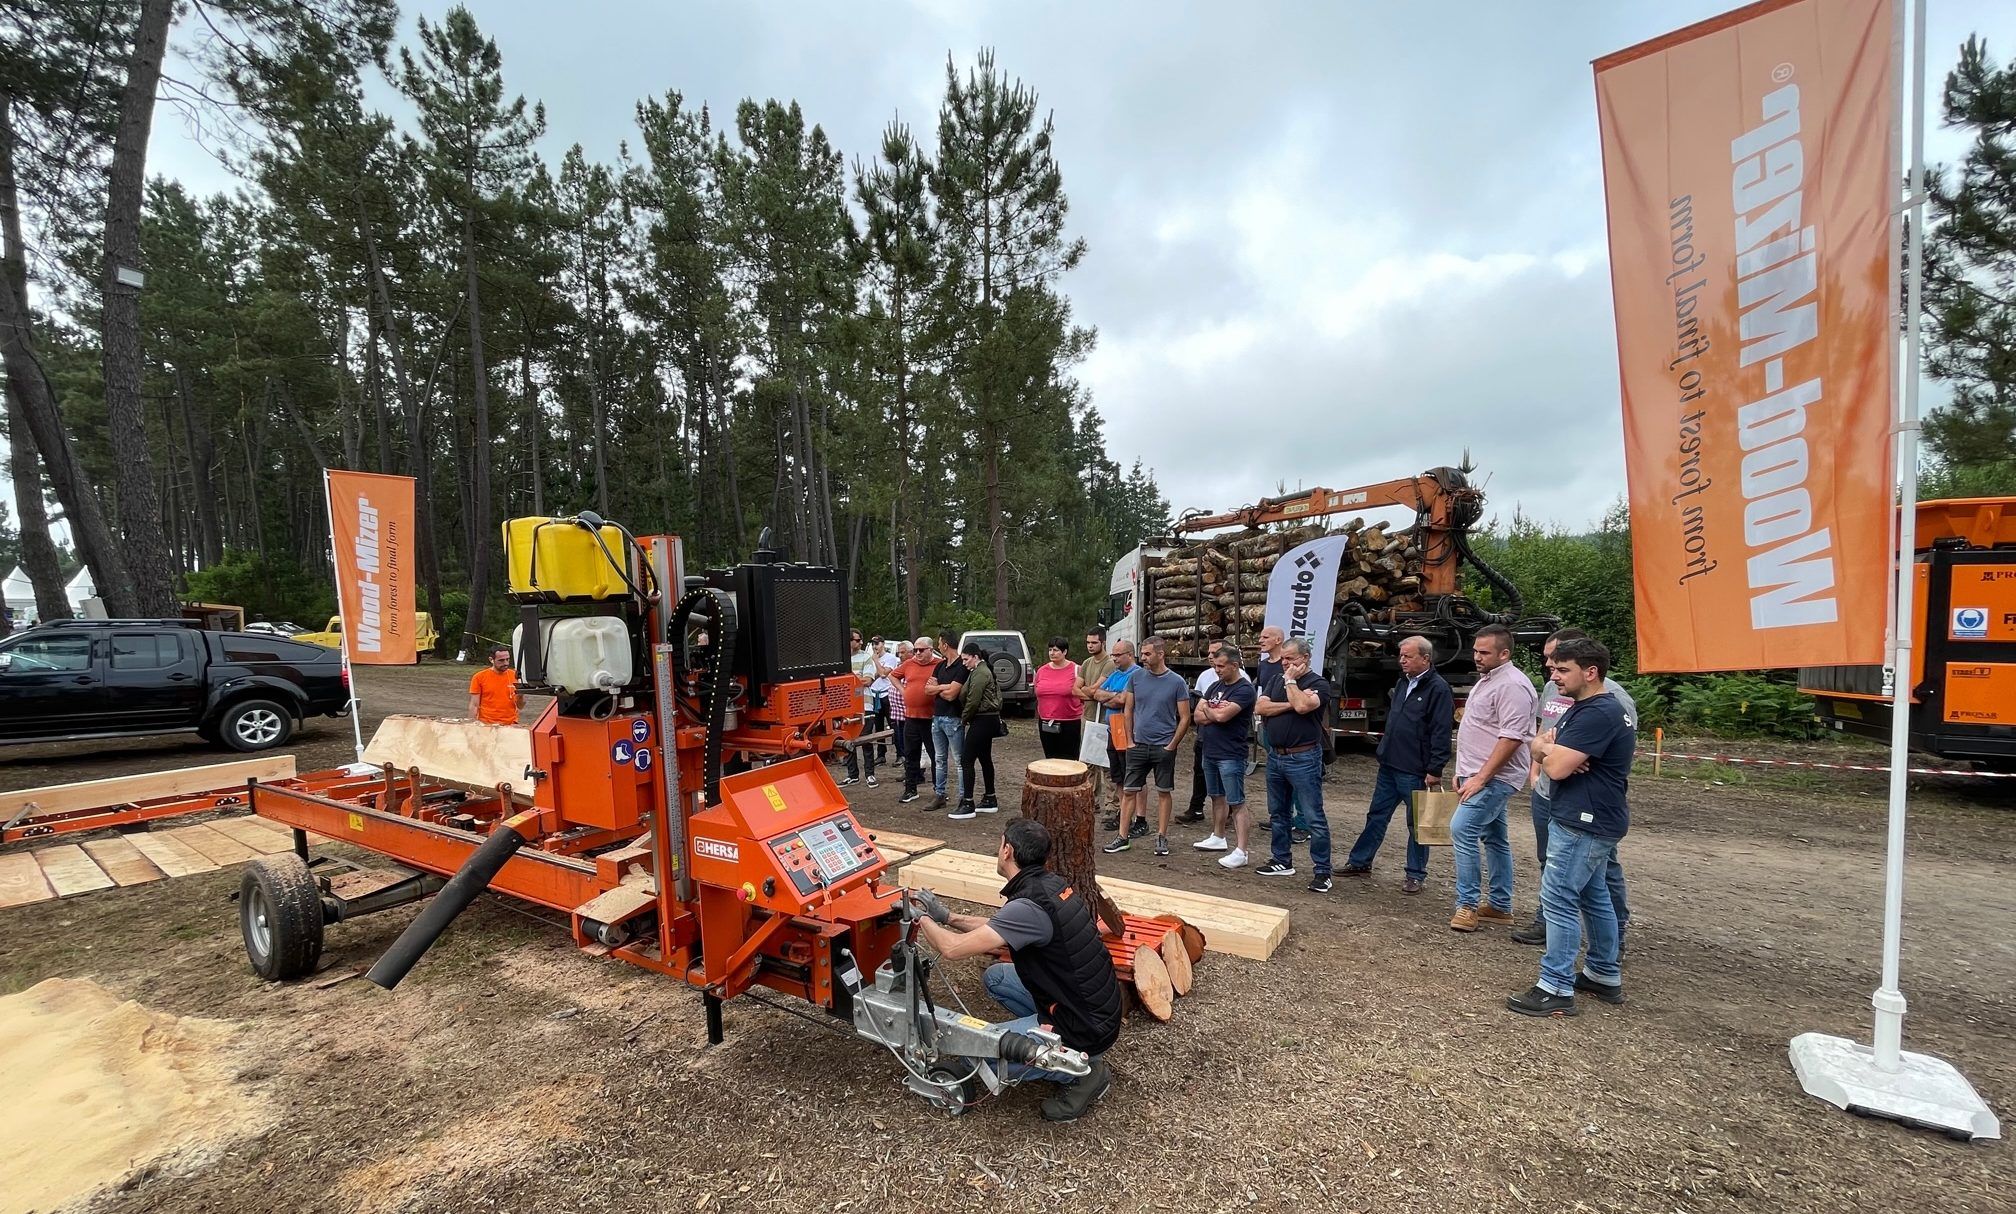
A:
[171,856]
[909,845]
[468,753]
[1239,929]
[122,790]
[254,833]
[122,861]
[218,848]
[21,880]
[70,871]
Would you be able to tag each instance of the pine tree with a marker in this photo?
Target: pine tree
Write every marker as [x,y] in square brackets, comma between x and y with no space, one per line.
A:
[477,148]
[1970,279]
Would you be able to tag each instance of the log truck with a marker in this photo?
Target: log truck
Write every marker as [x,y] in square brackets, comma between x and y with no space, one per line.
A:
[1361,656]
[627,822]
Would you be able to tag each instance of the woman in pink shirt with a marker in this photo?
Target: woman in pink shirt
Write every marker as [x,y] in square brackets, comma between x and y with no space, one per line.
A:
[1056,708]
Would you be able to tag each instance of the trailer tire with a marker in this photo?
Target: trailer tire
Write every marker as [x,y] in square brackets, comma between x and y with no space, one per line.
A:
[280,917]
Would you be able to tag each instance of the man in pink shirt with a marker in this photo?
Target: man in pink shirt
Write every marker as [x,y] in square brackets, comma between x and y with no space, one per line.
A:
[1492,757]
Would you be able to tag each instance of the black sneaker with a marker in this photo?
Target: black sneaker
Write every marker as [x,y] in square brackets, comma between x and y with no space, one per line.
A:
[1533,933]
[1274,868]
[1119,844]
[1073,1101]
[1320,885]
[1161,845]
[873,782]
[909,795]
[1112,822]
[988,804]
[963,812]
[1602,990]
[849,781]
[1191,817]
[1299,835]
[1540,1002]
[1139,829]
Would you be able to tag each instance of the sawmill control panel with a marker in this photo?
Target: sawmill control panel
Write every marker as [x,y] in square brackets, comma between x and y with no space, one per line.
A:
[817,856]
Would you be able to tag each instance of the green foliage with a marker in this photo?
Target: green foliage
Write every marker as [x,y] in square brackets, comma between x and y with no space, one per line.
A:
[1738,705]
[265,588]
[1584,579]
[1649,694]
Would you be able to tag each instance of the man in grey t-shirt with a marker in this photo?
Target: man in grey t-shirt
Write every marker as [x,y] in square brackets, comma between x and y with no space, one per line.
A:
[1553,702]
[1157,703]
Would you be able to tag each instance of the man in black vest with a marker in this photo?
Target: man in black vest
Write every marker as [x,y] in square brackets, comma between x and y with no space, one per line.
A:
[1412,753]
[1059,974]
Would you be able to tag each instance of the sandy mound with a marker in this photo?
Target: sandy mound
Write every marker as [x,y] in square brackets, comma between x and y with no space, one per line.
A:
[96,1087]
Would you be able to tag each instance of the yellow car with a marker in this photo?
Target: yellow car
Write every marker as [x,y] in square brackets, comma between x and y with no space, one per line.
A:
[424,636]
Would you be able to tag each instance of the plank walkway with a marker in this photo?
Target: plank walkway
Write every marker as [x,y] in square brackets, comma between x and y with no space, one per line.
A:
[67,870]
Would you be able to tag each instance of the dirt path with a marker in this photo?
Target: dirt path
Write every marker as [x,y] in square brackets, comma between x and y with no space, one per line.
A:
[1370,1064]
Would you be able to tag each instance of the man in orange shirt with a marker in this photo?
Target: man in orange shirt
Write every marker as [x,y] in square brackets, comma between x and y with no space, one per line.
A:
[493,692]
[909,679]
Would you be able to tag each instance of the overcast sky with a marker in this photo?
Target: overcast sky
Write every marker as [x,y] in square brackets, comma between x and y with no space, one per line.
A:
[1330,244]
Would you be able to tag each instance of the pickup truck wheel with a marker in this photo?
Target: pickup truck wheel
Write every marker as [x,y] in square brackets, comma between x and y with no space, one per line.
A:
[255,725]
[280,917]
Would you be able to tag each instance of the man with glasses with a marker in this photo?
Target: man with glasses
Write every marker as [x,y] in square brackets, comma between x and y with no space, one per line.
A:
[1588,758]
[866,670]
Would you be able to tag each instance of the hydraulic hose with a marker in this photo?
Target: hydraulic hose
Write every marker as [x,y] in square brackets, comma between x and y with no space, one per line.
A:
[1515,601]
[475,877]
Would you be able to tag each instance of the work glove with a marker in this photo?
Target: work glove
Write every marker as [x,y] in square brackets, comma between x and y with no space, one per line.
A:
[927,904]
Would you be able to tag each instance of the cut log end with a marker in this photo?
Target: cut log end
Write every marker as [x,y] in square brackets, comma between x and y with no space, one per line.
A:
[1177,959]
[1152,984]
[1056,773]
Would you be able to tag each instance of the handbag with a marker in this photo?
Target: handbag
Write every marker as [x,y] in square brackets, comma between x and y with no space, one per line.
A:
[1092,745]
[1429,815]
[1001,725]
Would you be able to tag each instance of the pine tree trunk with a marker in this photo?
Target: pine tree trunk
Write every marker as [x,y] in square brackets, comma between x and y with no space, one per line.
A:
[38,552]
[533,425]
[419,460]
[479,456]
[148,562]
[29,391]
[997,536]
[198,451]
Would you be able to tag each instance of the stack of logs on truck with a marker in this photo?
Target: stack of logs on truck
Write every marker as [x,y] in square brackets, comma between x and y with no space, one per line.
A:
[1216,588]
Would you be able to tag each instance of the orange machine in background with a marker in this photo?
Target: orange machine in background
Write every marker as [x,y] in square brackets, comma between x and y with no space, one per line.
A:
[1963,657]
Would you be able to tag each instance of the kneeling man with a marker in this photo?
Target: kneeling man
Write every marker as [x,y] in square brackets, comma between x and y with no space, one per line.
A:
[1058,973]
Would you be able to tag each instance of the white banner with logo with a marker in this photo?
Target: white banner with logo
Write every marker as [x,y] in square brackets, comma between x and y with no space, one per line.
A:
[1302,592]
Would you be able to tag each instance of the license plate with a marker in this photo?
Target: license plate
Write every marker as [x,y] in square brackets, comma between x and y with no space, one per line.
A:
[1350,714]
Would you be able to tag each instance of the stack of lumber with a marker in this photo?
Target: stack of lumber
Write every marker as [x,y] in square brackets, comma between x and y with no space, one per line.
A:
[1217,587]
[65,870]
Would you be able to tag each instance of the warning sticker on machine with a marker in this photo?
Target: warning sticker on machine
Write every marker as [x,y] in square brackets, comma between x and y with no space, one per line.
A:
[716,849]
[1970,623]
[776,798]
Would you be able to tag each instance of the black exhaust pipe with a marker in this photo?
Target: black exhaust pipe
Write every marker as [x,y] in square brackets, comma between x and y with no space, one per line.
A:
[454,898]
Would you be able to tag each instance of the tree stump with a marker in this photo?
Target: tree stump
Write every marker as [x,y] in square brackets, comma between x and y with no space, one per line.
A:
[1058,793]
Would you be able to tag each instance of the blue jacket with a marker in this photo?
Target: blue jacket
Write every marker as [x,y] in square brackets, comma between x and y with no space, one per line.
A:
[1418,727]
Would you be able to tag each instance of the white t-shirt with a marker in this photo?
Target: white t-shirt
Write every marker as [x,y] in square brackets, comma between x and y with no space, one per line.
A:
[883,665]
[1207,680]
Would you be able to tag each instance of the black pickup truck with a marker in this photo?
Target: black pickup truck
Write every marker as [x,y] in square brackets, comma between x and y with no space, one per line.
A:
[120,678]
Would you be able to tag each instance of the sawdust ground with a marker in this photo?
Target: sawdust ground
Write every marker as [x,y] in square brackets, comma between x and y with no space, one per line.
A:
[97,1088]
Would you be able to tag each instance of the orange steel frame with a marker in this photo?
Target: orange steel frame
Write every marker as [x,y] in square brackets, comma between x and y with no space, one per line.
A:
[738,929]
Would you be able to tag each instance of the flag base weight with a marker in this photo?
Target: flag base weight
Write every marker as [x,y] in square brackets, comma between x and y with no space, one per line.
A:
[1922,1091]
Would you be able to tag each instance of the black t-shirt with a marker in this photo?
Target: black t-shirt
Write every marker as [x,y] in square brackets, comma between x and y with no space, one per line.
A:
[1291,728]
[1228,741]
[950,671]
[1594,800]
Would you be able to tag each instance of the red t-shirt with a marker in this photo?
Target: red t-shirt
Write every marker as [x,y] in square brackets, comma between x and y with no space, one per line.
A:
[913,674]
[1054,701]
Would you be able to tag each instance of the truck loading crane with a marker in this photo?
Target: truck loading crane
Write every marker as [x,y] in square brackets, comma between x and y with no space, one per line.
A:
[1361,650]
[626,822]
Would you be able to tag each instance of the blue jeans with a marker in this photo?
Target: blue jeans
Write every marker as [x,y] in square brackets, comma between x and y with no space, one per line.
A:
[1005,986]
[948,742]
[1226,778]
[1297,780]
[1478,828]
[1572,891]
[1300,820]
[1613,873]
[1389,792]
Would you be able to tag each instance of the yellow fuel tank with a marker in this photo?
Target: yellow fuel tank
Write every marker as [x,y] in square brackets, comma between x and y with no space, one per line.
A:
[558,560]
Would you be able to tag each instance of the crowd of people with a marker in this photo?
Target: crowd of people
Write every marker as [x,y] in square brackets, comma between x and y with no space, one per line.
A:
[1568,743]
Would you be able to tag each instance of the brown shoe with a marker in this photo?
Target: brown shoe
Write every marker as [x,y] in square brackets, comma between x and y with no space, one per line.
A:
[1411,885]
[1491,914]
[1465,920]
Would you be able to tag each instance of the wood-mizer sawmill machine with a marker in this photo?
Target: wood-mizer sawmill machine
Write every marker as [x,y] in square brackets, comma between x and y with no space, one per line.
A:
[626,823]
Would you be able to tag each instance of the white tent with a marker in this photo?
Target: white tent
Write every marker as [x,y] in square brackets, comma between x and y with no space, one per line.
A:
[20,596]
[80,588]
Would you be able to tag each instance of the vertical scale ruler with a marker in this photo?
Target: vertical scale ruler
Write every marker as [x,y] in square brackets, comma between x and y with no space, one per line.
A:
[669,564]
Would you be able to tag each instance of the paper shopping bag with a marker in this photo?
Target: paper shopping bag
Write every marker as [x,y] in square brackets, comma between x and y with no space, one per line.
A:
[1429,814]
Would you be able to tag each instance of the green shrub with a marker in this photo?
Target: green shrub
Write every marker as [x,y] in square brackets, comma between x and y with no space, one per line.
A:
[1744,705]
[266,589]
[1653,709]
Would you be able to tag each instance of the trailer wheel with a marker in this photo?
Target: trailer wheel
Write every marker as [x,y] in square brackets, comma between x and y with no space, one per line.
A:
[956,1095]
[256,725]
[280,917]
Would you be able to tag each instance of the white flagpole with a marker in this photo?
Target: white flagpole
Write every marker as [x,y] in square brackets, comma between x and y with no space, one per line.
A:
[343,619]
[1886,1080]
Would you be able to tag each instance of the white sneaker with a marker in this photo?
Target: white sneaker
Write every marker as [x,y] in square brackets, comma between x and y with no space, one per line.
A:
[1211,843]
[1237,859]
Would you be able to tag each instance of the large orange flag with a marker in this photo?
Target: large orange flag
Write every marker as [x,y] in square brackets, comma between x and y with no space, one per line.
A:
[1750,167]
[371,520]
